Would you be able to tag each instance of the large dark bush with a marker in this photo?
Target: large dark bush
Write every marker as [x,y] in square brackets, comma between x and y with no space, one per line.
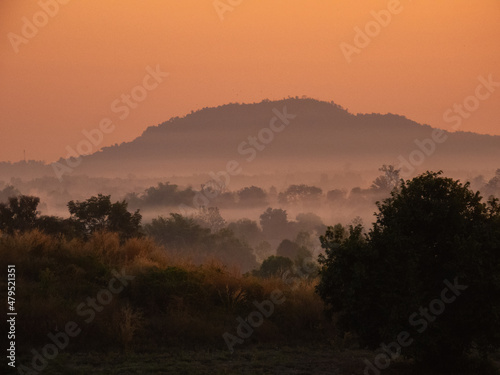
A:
[431,231]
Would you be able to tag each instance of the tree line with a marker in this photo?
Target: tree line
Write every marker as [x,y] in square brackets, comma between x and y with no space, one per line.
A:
[201,237]
[428,268]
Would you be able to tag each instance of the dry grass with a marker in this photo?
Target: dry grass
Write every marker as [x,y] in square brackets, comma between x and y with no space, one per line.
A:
[172,306]
[171,301]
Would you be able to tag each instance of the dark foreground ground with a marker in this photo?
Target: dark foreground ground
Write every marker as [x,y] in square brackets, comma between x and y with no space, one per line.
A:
[247,361]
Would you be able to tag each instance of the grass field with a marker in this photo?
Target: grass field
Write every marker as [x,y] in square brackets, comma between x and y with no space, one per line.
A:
[248,361]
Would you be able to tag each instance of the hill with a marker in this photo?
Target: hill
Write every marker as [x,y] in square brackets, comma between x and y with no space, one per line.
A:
[291,135]
[286,136]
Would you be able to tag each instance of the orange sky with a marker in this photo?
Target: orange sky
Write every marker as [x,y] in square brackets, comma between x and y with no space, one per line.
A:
[64,79]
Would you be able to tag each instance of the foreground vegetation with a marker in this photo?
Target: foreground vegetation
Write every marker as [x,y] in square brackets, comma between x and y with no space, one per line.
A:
[172,315]
[167,301]
[418,290]
[425,279]
[258,359]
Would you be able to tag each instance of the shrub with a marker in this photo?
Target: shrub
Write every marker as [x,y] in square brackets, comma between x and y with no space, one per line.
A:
[430,230]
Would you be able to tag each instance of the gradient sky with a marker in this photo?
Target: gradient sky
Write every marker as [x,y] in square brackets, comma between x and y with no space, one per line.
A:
[65,79]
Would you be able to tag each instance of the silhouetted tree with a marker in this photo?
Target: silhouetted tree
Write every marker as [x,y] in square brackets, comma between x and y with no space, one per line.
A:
[310,222]
[176,231]
[19,214]
[431,233]
[247,230]
[336,195]
[308,241]
[293,251]
[388,181]
[99,214]
[57,226]
[210,218]
[492,187]
[300,193]
[165,194]
[287,249]
[274,266]
[252,196]
[225,246]
[274,223]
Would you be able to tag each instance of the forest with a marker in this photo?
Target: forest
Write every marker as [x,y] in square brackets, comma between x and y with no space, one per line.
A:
[417,287]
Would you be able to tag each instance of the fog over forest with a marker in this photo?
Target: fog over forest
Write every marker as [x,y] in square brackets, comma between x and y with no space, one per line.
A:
[213,210]
[230,187]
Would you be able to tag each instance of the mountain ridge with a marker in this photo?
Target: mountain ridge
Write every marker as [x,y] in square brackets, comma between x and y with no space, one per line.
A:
[319,136]
[322,132]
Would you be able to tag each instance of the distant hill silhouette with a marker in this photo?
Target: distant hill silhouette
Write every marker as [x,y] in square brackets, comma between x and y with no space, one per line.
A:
[322,136]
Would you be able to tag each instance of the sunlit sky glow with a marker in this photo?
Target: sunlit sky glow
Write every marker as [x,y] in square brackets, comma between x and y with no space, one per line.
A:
[65,78]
